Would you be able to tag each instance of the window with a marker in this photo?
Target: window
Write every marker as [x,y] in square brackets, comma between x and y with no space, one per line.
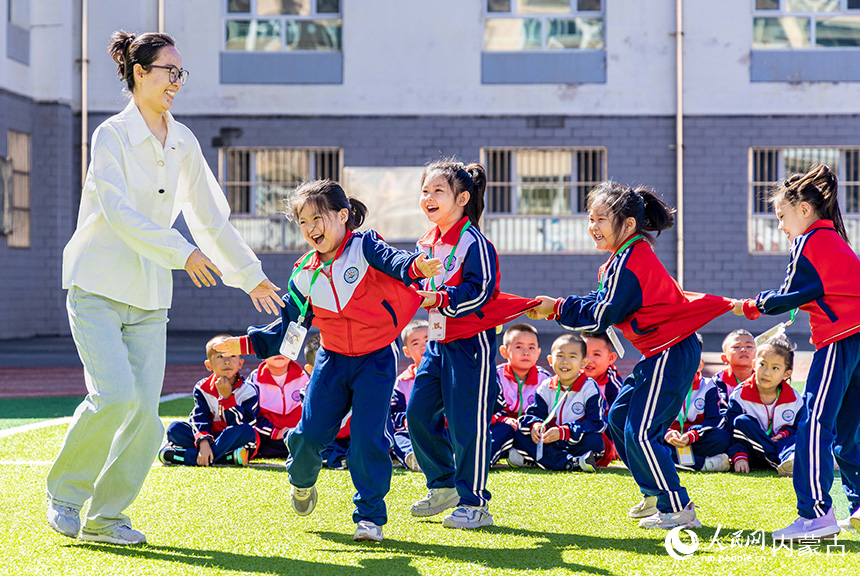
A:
[523,25]
[16,208]
[258,180]
[804,24]
[278,25]
[769,166]
[536,197]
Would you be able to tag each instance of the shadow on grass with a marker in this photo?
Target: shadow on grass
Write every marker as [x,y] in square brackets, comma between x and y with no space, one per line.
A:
[219,559]
[545,554]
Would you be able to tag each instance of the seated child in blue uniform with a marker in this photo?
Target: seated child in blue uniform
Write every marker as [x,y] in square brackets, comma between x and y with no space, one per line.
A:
[221,427]
[280,383]
[518,380]
[738,355]
[562,429]
[697,441]
[414,337]
[601,368]
[334,455]
[764,411]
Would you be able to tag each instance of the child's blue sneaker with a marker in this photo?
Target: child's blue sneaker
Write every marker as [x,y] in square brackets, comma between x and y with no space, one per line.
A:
[468,517]
[821,527]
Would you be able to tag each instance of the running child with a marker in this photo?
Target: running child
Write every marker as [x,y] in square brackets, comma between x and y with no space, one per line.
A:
[636,293]
[821,279]
[518,380]
[360,306]
[764,410]
[455,381]
[563,427]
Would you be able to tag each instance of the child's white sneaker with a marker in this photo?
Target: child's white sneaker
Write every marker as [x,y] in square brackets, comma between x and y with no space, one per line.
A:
[646,507]
[118,534]
[468,517]
[668,520]
[366,530]
[515,459]
[436,500]
[412,462]
[786,467]
[64,519]
[303,499]
[718,463]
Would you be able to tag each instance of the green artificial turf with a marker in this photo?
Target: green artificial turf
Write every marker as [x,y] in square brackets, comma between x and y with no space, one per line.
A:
[238,521]
[23,411]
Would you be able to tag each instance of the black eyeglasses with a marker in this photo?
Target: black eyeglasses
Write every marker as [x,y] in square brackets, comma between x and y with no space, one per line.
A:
[174,74]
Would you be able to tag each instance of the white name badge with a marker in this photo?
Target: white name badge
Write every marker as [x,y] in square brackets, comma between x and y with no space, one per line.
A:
[616,343]
[293,340]
[436,330]
[685,455]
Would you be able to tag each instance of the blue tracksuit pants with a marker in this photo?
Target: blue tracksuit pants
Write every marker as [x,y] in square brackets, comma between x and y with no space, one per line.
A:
[559,455]
[338,383]
[830,427]
[181,435]
[712,442]
[455,381]
[750,438]
[502,440]
[646,406]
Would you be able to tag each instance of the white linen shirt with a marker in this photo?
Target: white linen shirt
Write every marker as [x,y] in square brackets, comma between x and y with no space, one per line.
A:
[124,247]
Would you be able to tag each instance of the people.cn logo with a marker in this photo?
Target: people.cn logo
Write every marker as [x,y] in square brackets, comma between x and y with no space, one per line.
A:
[351,275]
[677,549]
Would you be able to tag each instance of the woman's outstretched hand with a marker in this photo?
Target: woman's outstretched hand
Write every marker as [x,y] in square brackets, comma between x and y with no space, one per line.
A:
[200,268]
[265,296]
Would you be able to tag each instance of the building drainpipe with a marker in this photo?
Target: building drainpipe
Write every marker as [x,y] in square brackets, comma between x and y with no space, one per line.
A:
[161,16]
[84,92]
[679,133]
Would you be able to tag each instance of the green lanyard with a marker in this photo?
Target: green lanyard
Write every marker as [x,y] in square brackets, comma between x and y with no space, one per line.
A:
[519,395]
[303,306]
[623,247]
[685,409]
[554,404]
[769,415]
[450,256]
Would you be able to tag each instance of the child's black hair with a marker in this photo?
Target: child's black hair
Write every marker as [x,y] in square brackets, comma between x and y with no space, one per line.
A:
[210,345]
[413,325]
[462,178]
[641,204]
[568,338]
[780,346]
[819,188]
[738,332]
[311,348]
[514,328]
[326,196]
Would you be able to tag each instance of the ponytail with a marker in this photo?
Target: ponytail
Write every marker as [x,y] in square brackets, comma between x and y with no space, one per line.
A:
[642,204]
[326,196]
[819,188]
[461,178]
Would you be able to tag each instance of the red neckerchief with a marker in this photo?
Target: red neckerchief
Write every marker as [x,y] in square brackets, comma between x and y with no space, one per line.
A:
[434,236]
[531,378]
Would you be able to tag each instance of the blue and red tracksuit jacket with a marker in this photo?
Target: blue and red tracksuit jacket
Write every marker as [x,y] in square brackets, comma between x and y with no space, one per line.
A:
[610,385]
[640,297]
[400,397]
[212,414]
[581,408]
[823,279]
[512,401]
[701,409]
[280,404]
[468,284]
[360,304]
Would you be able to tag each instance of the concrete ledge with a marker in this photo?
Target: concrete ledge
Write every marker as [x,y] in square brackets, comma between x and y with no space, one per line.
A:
[821,65]
[568,67]
[281,67]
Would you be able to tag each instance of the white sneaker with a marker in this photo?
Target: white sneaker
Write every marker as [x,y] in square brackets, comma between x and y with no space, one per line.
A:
[303,499]
[468,517]
[846,525]
[515,459]
[668,520]
[646,507]
[412,462]
[436,500]
[786,467]
[366,530]
[117,534]
[718,463]
[586,462]
[64,519]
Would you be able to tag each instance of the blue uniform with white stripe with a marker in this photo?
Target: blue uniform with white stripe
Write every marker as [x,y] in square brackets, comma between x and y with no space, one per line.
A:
[657,317]
[822,279]
[456,378]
